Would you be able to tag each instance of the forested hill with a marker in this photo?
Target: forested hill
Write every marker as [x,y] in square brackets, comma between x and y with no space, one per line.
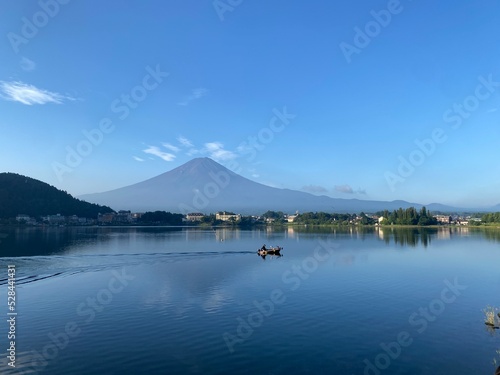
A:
[25,195]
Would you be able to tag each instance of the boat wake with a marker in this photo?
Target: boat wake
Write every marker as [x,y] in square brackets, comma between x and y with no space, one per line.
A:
[37,268]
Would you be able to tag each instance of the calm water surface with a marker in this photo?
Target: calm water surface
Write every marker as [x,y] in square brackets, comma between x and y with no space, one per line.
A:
[193,301]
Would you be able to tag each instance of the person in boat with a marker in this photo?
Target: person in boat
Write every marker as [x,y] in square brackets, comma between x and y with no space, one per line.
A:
[263,248]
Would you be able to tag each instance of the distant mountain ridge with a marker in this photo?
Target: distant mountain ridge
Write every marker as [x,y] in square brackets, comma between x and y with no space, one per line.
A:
[24,195]
[203,185]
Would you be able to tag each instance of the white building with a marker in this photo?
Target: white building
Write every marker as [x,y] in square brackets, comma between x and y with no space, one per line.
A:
[225,216]
[194,216]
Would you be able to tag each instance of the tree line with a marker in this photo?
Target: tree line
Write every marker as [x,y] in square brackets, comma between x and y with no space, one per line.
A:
[493,217]
[410,216]
[160,217]
[25,195]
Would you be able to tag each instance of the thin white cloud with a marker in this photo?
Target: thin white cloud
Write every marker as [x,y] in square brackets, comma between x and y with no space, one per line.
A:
[198,93]
[245,148]
[153,150]
[195,95]
[214,150]
[137,158]
[492,110]
[28,94]
[171,147]
[217,152]
[27,64]
[184,141]
[193,152]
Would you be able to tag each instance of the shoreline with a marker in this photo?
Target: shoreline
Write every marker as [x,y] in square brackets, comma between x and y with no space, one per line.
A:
[258,225]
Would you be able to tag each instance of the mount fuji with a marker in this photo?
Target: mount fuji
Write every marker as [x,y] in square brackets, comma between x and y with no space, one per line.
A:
[203,185]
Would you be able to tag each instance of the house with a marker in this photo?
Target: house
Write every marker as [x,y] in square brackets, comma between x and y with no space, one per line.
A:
[106,218]
[194,216]
[226,216]
[443,219]
[22,217]
[73,220]
[123,217]
[26,219]
[56,219]
[136,216]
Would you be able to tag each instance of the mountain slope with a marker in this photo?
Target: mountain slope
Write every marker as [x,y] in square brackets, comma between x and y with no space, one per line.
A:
[25,195]
[202,185]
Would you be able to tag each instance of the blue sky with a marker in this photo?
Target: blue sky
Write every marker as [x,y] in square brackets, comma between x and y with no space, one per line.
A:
[336,95]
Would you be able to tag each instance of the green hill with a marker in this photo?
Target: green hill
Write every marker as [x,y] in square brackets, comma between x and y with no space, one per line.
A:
[25,195]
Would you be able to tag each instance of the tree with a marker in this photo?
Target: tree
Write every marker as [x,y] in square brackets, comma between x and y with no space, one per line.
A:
[410,216]
[161,217]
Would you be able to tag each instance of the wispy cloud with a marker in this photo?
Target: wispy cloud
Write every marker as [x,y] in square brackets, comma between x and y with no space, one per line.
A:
[153,150]
[314,189]
[214,150]
[217,152]
[187,144]
[492,110]
[184,141]
[27,64]
[346,189]
[195,95]
[244,148]
[28,94]
[193,152]
[171,147]
[137,158]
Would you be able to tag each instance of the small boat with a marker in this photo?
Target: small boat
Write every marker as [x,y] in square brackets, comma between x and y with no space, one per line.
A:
[271,251]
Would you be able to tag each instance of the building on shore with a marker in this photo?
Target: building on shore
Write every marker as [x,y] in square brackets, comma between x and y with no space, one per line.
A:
[227,216]
[194,216]
[443,219]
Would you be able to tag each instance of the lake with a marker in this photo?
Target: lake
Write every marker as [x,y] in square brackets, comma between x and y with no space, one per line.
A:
[130,300]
